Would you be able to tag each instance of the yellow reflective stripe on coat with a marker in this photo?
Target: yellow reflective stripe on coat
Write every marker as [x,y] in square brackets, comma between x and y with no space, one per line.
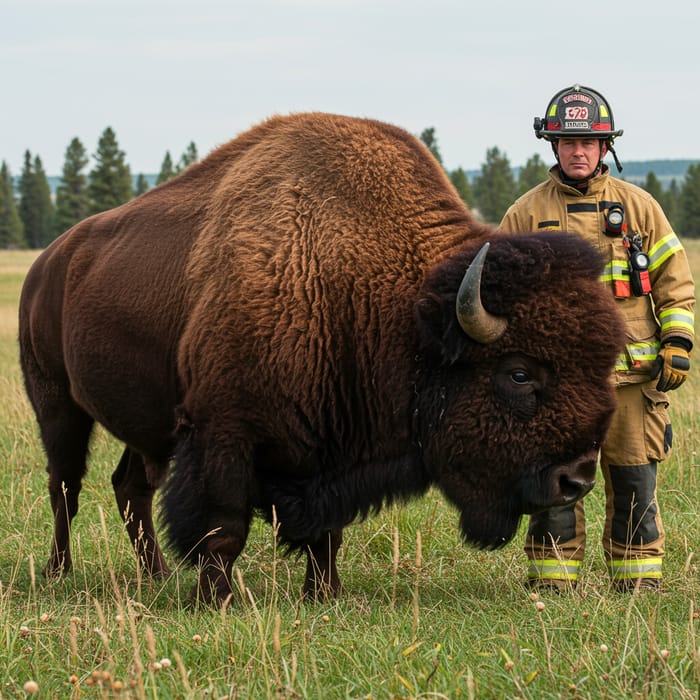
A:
[676,318]
[553,569]
[622,364]
[616,270]
[620,569]
[636,353]
[663,250]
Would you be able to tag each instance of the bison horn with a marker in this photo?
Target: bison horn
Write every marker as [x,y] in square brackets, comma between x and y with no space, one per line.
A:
[476,322]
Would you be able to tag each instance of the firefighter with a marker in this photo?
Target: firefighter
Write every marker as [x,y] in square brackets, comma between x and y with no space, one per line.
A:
[647,271]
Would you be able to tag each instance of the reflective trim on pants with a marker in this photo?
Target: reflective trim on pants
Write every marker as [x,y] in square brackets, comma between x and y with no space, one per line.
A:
[561,570]
[623,569]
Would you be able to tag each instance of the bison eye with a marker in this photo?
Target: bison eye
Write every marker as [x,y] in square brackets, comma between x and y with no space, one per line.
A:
[518,384]
[520,376]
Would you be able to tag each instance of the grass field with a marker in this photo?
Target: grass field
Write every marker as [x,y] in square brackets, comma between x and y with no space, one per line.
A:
[422,616]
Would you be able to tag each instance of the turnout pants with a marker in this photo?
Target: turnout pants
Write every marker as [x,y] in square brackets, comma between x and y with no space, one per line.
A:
[633,538]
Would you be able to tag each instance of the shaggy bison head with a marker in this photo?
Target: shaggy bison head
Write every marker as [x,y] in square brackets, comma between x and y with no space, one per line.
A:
[514,394]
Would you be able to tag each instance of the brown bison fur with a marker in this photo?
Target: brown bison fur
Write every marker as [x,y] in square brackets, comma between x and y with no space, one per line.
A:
[280,321]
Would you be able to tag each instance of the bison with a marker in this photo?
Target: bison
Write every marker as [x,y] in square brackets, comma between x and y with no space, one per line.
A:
[307,325]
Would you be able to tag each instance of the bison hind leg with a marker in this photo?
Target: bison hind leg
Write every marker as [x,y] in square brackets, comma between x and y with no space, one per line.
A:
[65,432]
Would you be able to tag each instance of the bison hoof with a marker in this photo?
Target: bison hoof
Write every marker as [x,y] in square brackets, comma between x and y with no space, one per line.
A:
[315,592]
[197,599]
[160,572]
[56,568]
[158,569]
[211,592]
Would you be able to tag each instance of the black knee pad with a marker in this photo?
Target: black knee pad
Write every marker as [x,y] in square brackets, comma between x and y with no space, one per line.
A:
[555,524]
[634,507]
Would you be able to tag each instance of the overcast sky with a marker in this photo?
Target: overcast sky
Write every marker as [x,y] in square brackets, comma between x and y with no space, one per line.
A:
[163,73]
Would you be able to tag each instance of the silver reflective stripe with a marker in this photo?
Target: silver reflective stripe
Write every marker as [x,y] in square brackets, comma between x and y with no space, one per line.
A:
[663,250]
[635,568]
[616,270]
[622,364]
[553,569]
[640,352]
[676,318]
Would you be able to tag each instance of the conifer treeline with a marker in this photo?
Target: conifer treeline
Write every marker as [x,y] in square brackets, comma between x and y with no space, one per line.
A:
[31,218]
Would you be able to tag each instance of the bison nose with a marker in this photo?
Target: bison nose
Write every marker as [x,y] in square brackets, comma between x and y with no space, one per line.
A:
[573,489]
[574,480]
[562,484]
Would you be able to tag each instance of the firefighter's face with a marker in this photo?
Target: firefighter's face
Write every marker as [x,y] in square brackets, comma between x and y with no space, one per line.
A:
[579,158]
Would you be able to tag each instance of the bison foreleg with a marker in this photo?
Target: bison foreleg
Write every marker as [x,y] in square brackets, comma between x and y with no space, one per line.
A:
[214,583]
[322,581]
[208,508]
[134,492]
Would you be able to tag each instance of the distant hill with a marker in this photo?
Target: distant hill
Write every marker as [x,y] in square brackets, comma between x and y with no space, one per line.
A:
[665,170]
[634,171]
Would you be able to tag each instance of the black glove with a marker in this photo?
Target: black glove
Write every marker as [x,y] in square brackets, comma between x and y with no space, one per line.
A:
[672,366]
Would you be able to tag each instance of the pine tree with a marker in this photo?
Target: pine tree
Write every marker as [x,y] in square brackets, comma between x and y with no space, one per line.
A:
[35,206]
[72,199]
[429,138]
[141,184]
[188,157]
[459,179]
[495,187]
[27,208]
[47,208]
[689,203]
[109,182]
[11,233]
[670,201]
[532,173]
[166,169]
[652,185]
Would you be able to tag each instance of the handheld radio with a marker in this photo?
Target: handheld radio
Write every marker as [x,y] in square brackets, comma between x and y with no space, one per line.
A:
[640,283]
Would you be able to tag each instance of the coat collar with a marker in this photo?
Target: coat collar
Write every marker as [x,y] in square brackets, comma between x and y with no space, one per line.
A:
[595,184]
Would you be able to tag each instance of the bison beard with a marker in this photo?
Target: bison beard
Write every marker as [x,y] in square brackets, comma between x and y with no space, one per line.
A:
[289,323]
